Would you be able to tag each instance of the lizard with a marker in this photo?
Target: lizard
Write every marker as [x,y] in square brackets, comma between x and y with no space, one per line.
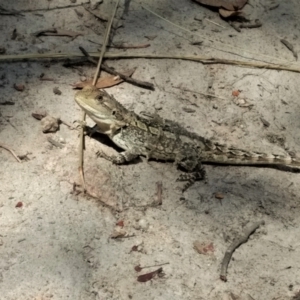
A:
[167,140]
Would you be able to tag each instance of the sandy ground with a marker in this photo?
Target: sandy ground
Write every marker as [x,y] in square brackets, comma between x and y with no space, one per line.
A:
[58,244]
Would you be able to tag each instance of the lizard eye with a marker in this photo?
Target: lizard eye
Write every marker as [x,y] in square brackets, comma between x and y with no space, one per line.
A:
[99,97]
[113,112]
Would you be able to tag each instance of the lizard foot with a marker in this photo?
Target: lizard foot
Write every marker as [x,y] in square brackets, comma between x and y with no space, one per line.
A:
[192,177]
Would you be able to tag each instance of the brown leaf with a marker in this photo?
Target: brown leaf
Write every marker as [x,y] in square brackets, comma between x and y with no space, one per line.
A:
[242,103]
[235,93]
[39,115]
[118,234]
[56,32]
[56,91]
[104,82]
[219,196]
[138,268]
[120,223]
[134,248]
[148,276]
[19,204]
[227,4]
[203,248]
[19,87]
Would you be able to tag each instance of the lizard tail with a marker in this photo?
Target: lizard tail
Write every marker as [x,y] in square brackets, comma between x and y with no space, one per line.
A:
[231,156]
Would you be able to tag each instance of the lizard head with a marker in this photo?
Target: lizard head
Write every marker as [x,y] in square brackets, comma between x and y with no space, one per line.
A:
[101,108]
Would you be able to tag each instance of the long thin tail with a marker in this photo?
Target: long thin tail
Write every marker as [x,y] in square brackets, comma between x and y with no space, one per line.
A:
[232,156]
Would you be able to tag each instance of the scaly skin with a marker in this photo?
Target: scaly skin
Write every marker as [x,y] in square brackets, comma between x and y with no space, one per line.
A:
[166,140]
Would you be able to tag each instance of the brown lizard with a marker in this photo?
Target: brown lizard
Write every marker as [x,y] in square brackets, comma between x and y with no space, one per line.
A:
[166,140]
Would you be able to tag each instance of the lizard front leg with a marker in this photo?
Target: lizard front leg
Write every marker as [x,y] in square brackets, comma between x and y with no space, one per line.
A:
[120,158]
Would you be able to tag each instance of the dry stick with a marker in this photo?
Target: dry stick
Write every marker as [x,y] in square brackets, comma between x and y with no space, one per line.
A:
[11,151]
[81,146]
[290,47]
[104,44]
[104,67]
[80,168]
[235,244]
[201,59]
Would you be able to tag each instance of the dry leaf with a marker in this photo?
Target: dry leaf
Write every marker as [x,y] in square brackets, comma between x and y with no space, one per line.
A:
[242,103]
[104,82]
[120,223]
[19,87]
[19,204]
[56,32]
[219,195]
[235,93]
[148,276]
[134,248]
[118,234]
[56,91]
[39,115]
[203,248]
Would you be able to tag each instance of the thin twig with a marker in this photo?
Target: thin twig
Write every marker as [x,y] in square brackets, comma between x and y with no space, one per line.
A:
[53,8]
[204,94]
[235,244]
[214,23]
[11,151]
[81,145]
[103,49]
[290,47]
[104,67]
[290,66]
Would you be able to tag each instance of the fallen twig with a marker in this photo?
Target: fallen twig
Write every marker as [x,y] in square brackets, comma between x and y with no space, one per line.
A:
[159,193]
[290,47]
[200,93]
[202,59]
[55,143]
[53,8]
[7,103]
[56,32]
[80,167]
[139,268]
[11,151]
[109,70]
[257,24]
[129,46]
[214,23]
[4,11]
[235,244]
[97,14]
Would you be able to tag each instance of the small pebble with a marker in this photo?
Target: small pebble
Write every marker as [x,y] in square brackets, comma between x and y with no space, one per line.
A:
[143,224]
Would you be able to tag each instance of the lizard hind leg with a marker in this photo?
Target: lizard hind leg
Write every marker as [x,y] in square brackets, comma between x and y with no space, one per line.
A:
[120,158]
[195,171]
